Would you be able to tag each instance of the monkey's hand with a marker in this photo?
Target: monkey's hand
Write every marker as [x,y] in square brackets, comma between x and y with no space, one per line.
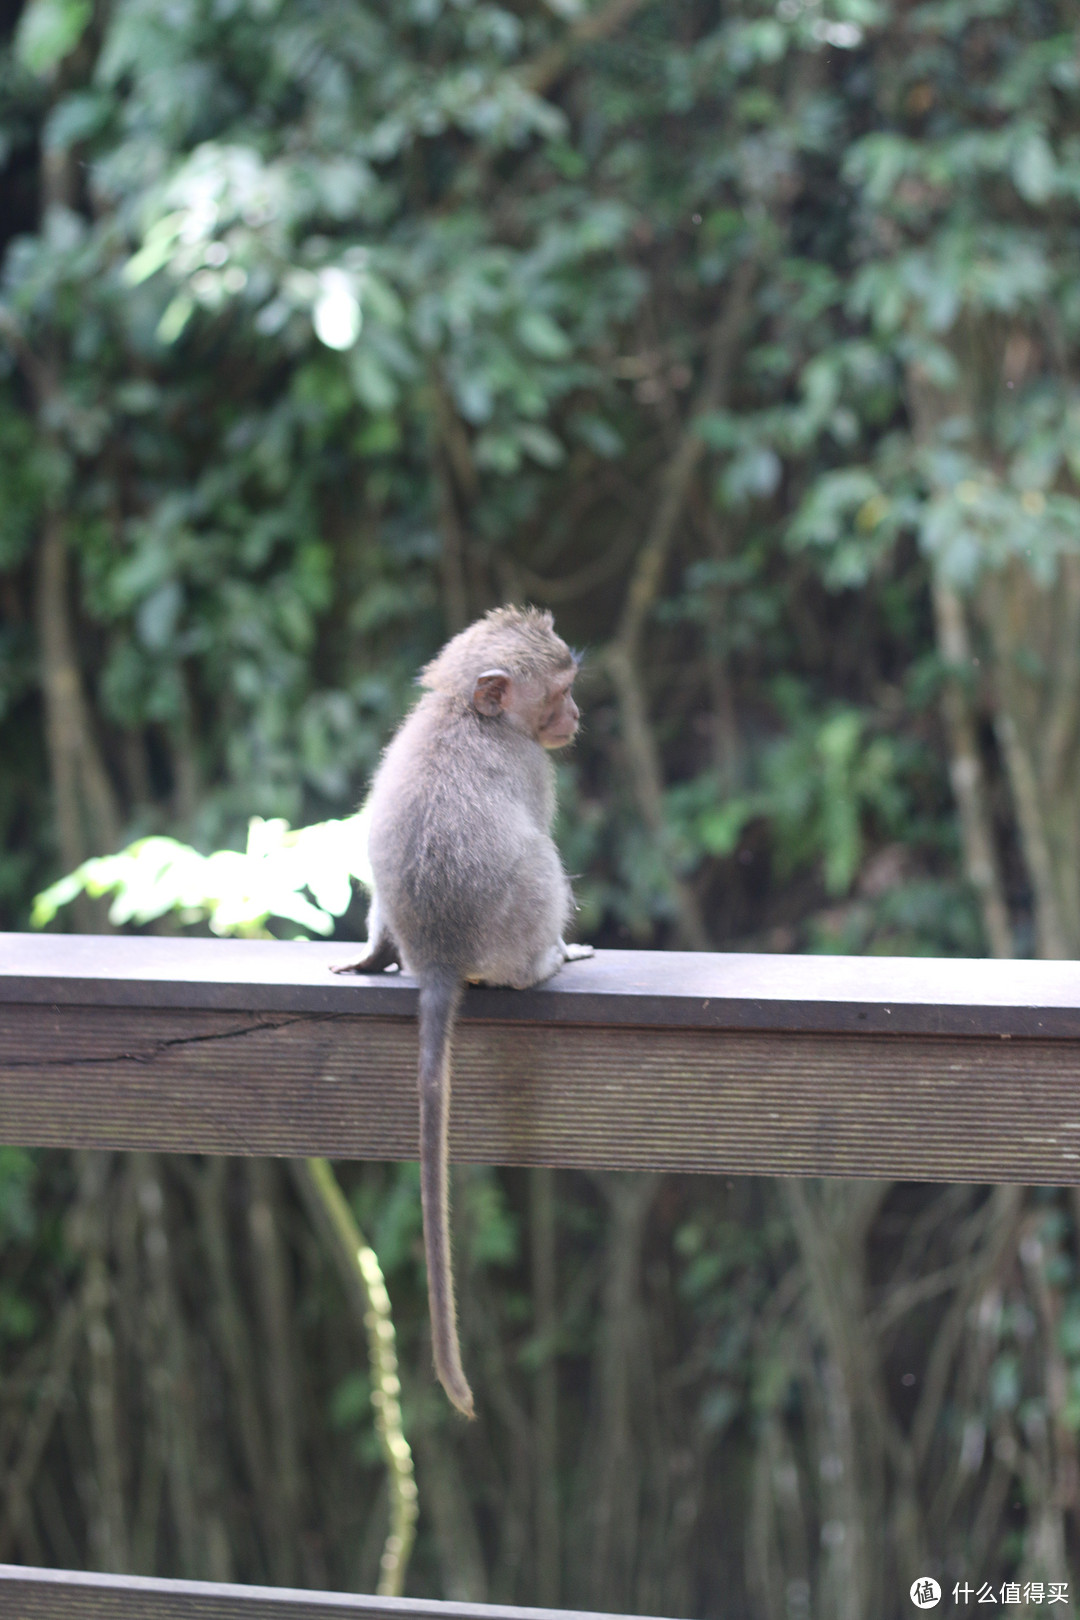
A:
[380,956]
[576,953]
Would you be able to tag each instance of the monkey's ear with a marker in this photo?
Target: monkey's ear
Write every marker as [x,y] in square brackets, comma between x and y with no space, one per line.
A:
[490,693]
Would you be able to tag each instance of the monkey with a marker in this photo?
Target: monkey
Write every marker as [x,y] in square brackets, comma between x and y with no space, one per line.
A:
[468,886]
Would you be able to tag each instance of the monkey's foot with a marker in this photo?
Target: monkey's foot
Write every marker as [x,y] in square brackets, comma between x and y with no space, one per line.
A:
[576,953]
[380,957]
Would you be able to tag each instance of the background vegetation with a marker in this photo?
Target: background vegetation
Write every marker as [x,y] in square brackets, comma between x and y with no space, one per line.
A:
[744,335]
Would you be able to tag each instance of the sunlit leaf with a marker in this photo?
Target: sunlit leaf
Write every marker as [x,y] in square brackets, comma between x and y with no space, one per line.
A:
[49,30]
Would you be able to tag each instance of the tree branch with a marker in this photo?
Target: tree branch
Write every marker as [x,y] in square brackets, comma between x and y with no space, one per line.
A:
[108,1521]
[623,656]
[272,1297]
[1002,599]
[453,465]
[53,1388]
[545,1422]
[538,76]
[648,571]
[966,769]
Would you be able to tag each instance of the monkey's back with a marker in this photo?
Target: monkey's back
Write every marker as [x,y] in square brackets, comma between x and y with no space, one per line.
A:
[465,869]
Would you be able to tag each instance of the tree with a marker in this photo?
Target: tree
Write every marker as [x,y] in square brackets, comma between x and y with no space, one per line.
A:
[744,336]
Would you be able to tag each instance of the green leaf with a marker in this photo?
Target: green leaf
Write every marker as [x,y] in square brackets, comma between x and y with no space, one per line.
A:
[156,251]
[1033,168]
[48,31]
[720,829]
[497,452]
[541,336]
[175,318]
[236,893]
[540,443]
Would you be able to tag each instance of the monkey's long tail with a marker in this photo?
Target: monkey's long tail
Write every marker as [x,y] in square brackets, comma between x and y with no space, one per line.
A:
[440,997]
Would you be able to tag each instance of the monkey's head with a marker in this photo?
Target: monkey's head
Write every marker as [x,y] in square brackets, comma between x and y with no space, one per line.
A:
[512,664]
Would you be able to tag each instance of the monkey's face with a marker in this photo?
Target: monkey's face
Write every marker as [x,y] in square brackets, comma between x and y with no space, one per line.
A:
[543,708]
[557,714]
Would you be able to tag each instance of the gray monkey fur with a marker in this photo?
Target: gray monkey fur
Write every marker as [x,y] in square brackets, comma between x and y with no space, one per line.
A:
[468,884]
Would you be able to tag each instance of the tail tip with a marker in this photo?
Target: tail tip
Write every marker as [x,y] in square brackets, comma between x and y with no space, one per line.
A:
[460,1395]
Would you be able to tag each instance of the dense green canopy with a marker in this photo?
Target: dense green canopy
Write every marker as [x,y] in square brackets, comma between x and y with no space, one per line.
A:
[746,336]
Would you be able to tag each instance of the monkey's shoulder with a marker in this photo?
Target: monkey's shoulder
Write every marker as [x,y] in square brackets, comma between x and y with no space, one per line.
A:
[445,748]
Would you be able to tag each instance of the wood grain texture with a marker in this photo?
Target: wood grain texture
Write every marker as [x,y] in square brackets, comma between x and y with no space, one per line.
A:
[717,990]
[48,1594]
[615,1074]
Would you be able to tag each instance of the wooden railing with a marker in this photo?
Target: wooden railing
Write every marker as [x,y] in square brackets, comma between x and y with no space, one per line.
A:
[56,1594]
[904,1068]
[807,1065]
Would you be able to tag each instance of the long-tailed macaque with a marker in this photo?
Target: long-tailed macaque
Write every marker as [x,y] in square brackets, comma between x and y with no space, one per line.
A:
[468,885]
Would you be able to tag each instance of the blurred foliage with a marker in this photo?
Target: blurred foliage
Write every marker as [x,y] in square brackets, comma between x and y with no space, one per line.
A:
[745,336]
[306,291]
[302,877]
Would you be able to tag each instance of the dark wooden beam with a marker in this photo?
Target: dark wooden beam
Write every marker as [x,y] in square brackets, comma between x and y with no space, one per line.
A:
[902,1067]
[55,1594]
